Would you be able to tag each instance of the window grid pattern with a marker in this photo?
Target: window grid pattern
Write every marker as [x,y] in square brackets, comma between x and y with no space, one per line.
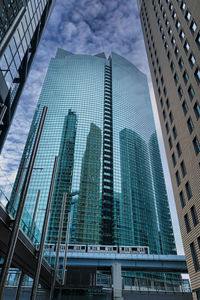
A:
[87,120]
[177,28]
[193,29]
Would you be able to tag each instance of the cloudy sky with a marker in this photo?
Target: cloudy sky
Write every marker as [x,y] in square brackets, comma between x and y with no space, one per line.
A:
[87,27]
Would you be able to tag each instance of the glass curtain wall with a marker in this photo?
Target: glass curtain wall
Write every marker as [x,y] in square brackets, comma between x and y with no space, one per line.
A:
[100,123]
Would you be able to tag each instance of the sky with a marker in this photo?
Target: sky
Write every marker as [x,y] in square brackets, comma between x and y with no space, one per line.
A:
[84,27]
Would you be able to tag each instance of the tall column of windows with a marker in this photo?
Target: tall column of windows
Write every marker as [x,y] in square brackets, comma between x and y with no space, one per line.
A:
[107,178]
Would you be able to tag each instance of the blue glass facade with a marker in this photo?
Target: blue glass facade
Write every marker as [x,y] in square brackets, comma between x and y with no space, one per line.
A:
[139,224]
[166,237]
[100,123]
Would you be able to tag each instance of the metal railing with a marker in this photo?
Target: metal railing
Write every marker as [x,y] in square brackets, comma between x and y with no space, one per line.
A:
[32,231]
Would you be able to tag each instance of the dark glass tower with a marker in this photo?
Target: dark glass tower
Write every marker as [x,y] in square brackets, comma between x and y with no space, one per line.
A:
[10,12]
[100,123]
[21,26]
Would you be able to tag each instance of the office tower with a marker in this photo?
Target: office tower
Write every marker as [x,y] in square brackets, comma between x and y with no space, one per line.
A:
[99,122]
[21,26]
[172,37]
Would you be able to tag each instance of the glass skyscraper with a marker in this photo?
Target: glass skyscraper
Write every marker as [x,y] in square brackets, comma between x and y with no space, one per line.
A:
[21,26]
[100,123]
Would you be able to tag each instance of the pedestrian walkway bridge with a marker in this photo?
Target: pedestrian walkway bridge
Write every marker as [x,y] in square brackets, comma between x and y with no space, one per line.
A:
[25,255]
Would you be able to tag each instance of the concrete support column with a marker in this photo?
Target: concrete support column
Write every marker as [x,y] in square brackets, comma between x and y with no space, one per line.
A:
[117,281]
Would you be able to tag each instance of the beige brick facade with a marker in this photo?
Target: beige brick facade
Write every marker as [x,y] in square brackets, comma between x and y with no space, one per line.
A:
[171,31]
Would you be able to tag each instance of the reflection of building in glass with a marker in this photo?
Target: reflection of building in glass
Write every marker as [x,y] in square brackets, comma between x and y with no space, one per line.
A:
[111,167]
[88,215]
[144,197]
[139,223]
[21,26]
[166,238]
[117,218]
[64,176]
